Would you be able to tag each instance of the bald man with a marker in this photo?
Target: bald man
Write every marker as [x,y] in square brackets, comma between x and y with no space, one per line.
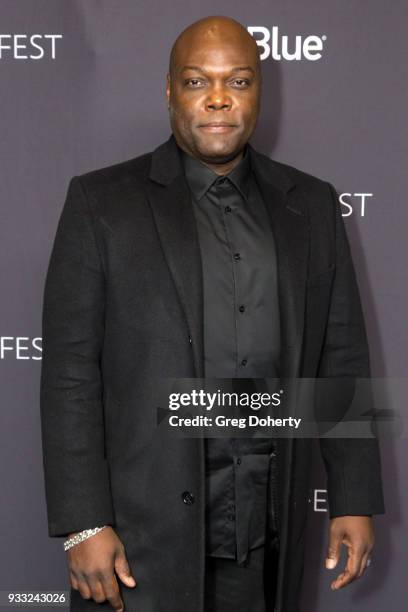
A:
[201,259]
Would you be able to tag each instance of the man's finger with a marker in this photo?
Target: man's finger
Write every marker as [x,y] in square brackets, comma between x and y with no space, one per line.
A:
[333,551]
[352,568]
[122,569]
[74,581]
[83,588]
[96,588]
[364,564]
[112,593]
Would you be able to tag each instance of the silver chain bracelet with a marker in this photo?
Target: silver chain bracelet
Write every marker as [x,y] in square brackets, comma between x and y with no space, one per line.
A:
[81,536]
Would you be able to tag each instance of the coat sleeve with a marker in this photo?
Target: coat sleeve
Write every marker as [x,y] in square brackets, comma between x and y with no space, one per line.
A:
[72,425]
[353,465]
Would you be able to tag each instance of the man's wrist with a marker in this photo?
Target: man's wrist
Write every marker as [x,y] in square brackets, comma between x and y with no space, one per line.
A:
[77,538]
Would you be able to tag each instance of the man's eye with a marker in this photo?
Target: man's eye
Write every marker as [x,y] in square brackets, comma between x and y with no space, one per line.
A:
[241,82]
[193,82]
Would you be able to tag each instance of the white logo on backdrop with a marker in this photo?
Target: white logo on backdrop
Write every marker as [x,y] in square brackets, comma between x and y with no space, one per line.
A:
[20,347]
[28,46]
[354,203]
[319,500]
[282,47]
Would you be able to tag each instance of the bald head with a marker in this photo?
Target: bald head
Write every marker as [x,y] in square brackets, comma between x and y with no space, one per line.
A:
[213,91]
[212,30]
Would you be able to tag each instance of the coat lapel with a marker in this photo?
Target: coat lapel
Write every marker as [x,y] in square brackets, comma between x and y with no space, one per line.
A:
[290,228]
[169,199]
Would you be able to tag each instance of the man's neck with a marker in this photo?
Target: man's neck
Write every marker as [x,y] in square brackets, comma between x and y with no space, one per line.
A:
[221,168]
[224,168]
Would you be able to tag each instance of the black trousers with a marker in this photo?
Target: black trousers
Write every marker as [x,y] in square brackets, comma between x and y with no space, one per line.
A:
[249,587]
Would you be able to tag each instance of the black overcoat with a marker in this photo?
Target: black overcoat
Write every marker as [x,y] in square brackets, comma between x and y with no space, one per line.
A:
[123,307]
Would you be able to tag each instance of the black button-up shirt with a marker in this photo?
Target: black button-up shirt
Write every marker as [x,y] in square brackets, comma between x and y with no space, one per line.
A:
[241,340]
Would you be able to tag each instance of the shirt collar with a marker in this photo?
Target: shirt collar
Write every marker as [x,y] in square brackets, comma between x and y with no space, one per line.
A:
[200,178]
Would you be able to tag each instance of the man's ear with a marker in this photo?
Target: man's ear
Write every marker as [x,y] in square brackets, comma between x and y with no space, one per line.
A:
[168,89]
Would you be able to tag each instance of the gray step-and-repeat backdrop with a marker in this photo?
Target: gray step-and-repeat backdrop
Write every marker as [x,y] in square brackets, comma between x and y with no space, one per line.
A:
[83,86]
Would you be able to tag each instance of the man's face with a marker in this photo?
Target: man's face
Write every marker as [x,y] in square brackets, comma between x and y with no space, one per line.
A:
[213,95]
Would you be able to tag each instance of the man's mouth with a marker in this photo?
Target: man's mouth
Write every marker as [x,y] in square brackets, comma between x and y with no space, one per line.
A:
[217,126]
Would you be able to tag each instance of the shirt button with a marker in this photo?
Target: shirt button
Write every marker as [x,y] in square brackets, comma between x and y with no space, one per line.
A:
[239,461]
[242,309]
[222,180]
[190,340]
[230,517]
[188,498]
[237,256]
[228,209]
[244,362]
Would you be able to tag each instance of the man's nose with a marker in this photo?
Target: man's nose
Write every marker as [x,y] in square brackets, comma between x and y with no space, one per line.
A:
[218,99]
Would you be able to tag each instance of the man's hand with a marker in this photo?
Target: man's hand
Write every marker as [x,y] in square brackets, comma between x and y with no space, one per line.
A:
[92,565]
[357,533]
